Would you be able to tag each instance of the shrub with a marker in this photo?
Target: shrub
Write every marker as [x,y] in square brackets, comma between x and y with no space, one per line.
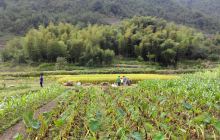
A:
[214,57]
[46,67]
[168,57]
[140,59]
[108,56]
[56,49]
[61,63]
[6,55]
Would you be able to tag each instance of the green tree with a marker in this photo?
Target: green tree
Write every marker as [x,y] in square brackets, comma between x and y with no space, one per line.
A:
[56,49]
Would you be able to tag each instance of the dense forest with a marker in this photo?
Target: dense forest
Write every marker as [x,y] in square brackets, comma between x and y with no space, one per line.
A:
[18,16]
[208,7]
[143,38]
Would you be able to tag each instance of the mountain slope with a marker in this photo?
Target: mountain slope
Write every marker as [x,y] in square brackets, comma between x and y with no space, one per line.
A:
[18,16]
[209,7]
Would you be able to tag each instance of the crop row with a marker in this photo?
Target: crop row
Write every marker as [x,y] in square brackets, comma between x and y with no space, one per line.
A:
[186,108]
[11,109]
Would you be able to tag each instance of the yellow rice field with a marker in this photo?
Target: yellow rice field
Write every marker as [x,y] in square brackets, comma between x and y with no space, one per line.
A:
[99,78]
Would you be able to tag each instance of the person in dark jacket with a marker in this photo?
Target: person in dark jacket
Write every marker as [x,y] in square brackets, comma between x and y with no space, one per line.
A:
[41,79]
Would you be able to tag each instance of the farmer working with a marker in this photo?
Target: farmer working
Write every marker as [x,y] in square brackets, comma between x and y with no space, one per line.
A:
[118,81]
[125,81]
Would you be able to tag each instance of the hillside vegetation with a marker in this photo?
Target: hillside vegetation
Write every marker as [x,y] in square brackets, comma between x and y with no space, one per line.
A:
[17,16]
[208,7]
[143,38]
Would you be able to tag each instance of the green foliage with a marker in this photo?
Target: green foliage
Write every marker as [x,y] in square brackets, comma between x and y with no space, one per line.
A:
[108,56]
[217,126]
[187,106]
[61,63]
[55,50]
[208,7]
[18,16]
[159,137]
[29,121]
[182,108]
[146,38]
[59,123]
[137,136]
[13,51]
[94,125]
[15,107]
[18,137]
[213,57]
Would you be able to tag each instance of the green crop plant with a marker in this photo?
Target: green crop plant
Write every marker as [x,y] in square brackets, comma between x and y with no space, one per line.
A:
[11,110]
[48,118]
[181,108]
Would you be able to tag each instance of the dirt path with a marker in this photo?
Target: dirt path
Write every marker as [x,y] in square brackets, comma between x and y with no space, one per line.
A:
[20,127]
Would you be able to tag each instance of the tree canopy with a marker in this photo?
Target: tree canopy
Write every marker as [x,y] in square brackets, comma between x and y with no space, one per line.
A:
[18,16]
[146,38]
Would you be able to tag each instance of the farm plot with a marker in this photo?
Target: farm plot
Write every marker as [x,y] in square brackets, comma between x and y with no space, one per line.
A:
[186,108]
[13,87]
[111,78]
[12,109]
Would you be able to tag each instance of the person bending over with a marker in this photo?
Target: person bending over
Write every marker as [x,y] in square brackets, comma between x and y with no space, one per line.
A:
[118,81]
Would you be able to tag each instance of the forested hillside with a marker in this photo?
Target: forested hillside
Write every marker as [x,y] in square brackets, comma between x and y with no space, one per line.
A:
[17,16]
[143,38]
[208,7]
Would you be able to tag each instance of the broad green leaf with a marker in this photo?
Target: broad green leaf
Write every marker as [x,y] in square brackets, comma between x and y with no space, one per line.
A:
[47,115]
[94,125]
[120,131]
[203,118]
[217,126]
[98,115]
[59,122]
[187,106]
[121,112]
[207,119]
[29,120]
[35,124]
[164,126]
[136,136]
[148,126]
[144,106]
[159,137]
[18,136]
[163,114]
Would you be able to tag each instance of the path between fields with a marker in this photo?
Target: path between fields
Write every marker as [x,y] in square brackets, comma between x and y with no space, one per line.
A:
[20,126]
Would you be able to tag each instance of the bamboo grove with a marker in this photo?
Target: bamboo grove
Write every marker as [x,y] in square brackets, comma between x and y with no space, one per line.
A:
[143,38]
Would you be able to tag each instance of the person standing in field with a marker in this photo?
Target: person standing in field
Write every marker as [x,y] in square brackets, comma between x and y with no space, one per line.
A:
[41,79]
[118,81]
[125,81]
